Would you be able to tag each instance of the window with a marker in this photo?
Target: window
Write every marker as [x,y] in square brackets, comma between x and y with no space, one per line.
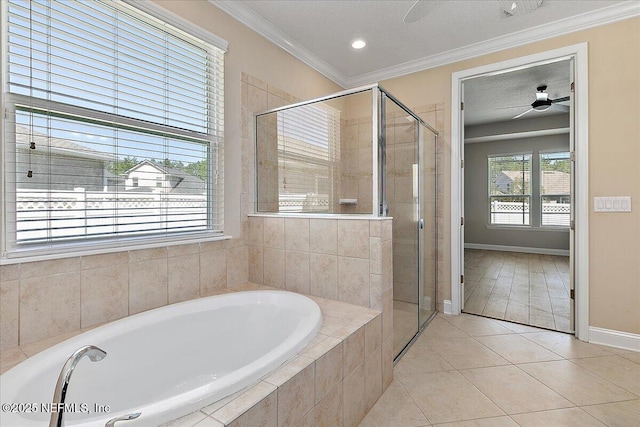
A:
[555,189]
[510,189]
[101,99]
[308,147]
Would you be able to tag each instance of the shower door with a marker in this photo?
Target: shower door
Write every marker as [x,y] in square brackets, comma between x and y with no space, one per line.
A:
[402,173]
[410,193]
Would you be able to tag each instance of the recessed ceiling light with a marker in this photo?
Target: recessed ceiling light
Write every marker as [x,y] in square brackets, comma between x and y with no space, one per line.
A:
[358,44]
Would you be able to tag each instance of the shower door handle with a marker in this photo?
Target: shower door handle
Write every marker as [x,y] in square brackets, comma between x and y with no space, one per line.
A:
[421,224]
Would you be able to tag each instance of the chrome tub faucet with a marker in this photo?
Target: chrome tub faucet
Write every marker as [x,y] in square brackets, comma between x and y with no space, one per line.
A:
[94,354]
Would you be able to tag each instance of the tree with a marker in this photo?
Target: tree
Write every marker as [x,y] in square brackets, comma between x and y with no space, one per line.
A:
[198,169]
[121,166]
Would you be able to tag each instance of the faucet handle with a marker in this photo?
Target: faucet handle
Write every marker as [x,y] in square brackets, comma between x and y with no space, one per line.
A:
[112,422]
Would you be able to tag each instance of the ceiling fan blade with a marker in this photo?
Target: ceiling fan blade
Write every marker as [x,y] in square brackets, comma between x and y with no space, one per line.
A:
[512,106]
[522,114]
[558,107]
[420,9]
[563,99]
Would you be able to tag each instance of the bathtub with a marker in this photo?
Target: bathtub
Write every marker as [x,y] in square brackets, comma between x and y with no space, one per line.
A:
[165,363]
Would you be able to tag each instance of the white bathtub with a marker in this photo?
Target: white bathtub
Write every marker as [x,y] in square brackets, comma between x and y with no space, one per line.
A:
[167,362]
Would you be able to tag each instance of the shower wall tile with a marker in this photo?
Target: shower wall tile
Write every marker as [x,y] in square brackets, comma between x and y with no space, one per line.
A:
[257,99]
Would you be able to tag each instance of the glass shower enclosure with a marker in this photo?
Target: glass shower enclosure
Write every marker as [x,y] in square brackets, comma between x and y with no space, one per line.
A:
[359,152]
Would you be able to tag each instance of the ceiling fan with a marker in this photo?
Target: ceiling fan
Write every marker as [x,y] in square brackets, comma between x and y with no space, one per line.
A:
[543,103]
[422,8]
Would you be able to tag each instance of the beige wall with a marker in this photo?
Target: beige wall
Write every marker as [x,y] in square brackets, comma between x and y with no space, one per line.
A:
[614,132]
[614,150]
[39,300]
[254,55]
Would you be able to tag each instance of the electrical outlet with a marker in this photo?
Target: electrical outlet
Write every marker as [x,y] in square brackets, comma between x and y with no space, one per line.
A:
[612,204]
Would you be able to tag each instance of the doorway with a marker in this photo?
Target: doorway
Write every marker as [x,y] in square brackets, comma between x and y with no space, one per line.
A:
[517,195]
[577,267]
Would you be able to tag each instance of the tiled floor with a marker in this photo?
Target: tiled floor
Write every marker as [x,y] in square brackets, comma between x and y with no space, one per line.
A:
[473,371]
[525,288]
[405,323]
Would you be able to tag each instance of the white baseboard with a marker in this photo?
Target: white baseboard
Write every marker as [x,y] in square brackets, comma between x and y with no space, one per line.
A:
[612,338]
[447,306]
[543,251]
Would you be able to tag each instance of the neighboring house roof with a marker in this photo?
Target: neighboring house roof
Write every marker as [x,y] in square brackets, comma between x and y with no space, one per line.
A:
[24,136]
[186,183]
[513,175]
[552,182]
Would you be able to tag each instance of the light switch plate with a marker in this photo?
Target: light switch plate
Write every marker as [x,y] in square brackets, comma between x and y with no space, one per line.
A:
[612,204]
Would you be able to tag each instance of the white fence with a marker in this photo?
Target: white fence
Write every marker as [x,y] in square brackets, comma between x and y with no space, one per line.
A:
[76,214]
[514,213]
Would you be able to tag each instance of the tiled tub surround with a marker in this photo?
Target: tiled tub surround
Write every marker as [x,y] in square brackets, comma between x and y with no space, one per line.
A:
[43,299]
[344,258]
[334,381]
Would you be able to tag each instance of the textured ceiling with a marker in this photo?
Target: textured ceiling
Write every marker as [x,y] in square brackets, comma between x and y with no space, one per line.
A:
[327,27]
[320,32]
[500,97]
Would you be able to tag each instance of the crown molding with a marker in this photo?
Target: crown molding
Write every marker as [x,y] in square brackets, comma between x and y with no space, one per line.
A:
[265,28]
[248,17]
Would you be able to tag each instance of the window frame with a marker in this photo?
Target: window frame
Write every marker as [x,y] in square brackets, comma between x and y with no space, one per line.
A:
[11,102]
[541,196]
[528,196]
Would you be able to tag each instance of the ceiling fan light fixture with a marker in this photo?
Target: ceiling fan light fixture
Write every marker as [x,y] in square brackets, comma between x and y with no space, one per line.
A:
[519,7]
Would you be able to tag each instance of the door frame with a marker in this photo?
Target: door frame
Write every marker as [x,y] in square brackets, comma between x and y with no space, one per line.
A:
[581,134]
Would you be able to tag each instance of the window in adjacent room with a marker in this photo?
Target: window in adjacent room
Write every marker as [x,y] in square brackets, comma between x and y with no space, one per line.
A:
[509,189]
[101,98]
[555,189]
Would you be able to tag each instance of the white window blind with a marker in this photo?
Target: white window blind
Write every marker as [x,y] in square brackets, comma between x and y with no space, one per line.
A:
[114,126]
[555,189]
[308,155]
[510,189]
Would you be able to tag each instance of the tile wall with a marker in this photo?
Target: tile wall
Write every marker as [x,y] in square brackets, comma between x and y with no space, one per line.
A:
[356,164]
[345,259]
[43,299]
